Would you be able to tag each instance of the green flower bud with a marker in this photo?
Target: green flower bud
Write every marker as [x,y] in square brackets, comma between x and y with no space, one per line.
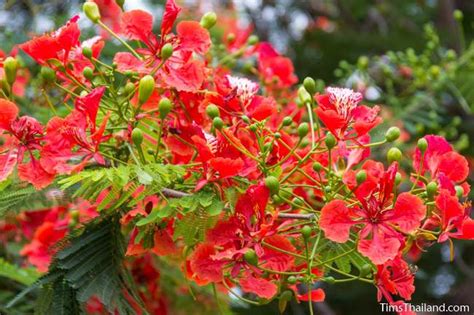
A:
[145,88]
[212,111]
[267,147]
[458,15]
[91,10]
[329,280]
[10,66]
[208,20]
[392,134]
[303,129]
[253,127]
[137,136]
[287,121]
[129,88]
[218,123]
[398,178]
[272,184]
[394,154]
[365,270]
[253,40]
[431,189]
[306,232]
[164,107]
[230,38]
[87,52]
[459,191]
[246,119]
[303,95]
[277,135]
[166,51]
[317,167]
[48,74]
[291,280]
[310,85]
[361,177]
[286,295]
[330,141]
[251,257]
[88,73]
[422,145]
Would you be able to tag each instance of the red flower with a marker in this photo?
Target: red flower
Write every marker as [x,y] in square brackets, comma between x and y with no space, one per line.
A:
[339,110]
[442,162]
[379,240]
[259,286]
[277,71]
[26,133]
[453,218]
[394,278]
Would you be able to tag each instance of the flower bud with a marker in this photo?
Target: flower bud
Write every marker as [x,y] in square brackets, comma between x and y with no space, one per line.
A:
[291,280]
[251,257]
[10,66]
[253,127]
[365,270]
[422,145]
[361,177]
[394,155]
[91,10]
[245,119]
[303,95]
[306,232]
[310,85]
[145,88]
[129,88]
[431,189]
[277,135]
[48,74]
[287,121]
[208,20]
[458,15]
[392,134]
[217,123]
[303,129]
[329,280]
[212,111]
[272,184]
[330,141]
[398,178]
[137,136]
[87,52]
[459,191]
[166,51]
[253,40]
[164,107]
[88,73]
[317,167]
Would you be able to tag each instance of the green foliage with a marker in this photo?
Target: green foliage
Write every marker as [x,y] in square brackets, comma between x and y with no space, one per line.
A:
[91,265]
[17,199]
[26,276]
[121,183]
[343,256]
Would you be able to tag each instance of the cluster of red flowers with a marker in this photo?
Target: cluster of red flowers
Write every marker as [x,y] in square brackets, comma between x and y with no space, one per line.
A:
[296,161]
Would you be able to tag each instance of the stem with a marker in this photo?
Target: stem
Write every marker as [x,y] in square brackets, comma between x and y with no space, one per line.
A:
[119,39]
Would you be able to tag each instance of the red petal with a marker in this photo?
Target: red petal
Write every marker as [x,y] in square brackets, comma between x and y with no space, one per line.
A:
[275,260]
[8,113]
[335,221]
[379,249]
[137,24]
[261,287]
[317,295]
[408,211]
[193,37]
[449,207]
[35,174]
[89,104]
[204,266]
[467,229]
[227,167]
[7,163]
[169,16]
[454,166]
